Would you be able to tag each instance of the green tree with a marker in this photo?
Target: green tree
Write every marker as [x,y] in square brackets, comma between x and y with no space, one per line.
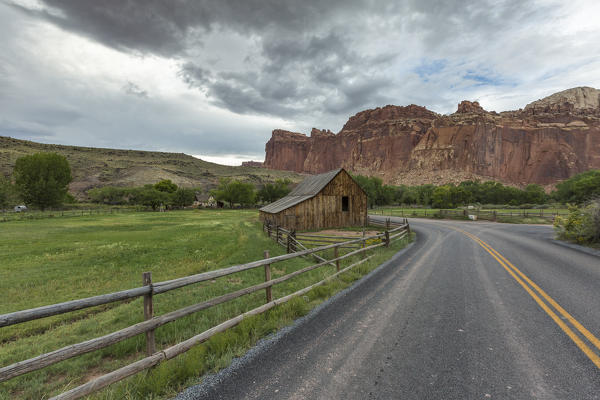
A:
[183,197]
[165,186]
[5,192]
[42,179]
[458,196]
[110,195]
[579,188]
[377,192]
[243,193]
[442,197]
[473,191]
[149,196]
[235,192]
[534,194]
[410,195]
[271,192]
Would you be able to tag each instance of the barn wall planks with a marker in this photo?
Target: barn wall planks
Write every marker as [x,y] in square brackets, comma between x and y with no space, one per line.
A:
[325,209]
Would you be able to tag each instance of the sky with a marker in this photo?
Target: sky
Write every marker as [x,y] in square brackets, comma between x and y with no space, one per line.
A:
[214,78]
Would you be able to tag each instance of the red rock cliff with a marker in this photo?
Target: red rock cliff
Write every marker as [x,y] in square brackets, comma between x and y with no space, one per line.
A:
[550,140]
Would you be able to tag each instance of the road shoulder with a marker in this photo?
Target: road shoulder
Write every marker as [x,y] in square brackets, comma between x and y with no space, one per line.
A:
[263,345]
[577,247]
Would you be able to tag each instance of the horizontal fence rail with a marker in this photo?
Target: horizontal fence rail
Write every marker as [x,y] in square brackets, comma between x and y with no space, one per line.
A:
[480,214]
[8,216]
[295,248]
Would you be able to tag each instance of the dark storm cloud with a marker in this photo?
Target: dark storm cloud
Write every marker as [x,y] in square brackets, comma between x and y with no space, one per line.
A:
[162,26]
[299,76]
[307,62]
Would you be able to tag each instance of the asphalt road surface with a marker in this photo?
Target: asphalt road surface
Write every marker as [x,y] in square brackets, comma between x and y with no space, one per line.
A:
[472,310]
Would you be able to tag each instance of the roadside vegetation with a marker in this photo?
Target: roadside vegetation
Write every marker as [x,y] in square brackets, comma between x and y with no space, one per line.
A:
[48,261]
[487,200]
[581,225]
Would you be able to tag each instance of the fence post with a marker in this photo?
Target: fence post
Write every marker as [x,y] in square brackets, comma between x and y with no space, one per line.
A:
[288,243]
[268,278]
[293,245]
[387,238]
[336,255]
[387,224]
[149,313]
[278,234]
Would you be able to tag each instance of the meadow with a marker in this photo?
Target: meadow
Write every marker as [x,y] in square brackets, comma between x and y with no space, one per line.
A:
[46,261]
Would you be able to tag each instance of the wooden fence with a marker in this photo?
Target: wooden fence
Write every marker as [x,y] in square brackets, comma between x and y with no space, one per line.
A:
[491,215]
[149,289]
[293,241]
[7,216]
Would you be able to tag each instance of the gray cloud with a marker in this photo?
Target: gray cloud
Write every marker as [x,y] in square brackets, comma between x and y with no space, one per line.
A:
[306,63]
[134,90]
[307,66]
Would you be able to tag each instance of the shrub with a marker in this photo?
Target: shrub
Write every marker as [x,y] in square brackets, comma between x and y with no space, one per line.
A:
[581,225]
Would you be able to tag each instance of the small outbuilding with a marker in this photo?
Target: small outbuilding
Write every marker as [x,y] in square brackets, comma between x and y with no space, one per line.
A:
[205,200]
[328,200]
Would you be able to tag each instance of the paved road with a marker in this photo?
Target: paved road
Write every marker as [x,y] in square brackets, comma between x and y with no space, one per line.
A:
[446,320]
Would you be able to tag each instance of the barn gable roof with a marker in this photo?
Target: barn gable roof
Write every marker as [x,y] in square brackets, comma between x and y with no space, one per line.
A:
[307,189]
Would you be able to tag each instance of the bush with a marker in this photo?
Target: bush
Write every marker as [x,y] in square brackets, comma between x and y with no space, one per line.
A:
[581,225]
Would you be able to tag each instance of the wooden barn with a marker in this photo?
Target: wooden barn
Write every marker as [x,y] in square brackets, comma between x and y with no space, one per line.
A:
[328,200]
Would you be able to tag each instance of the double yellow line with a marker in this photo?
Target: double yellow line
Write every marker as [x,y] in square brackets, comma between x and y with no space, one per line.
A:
[532,288]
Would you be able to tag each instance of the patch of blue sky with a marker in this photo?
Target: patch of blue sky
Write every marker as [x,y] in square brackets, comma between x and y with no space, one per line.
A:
[483,79]
[428,68]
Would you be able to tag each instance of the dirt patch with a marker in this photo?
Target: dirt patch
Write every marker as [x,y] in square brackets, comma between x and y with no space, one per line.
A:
[334,232]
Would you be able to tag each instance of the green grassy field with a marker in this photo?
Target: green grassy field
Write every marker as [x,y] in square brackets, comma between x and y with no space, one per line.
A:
[52,260]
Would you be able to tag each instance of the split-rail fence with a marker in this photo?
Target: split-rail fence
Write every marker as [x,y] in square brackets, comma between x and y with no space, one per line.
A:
[150,289]
[491,215]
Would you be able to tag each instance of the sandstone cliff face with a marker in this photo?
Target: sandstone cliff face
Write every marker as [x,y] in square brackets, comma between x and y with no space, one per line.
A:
[550,140]
[287,151]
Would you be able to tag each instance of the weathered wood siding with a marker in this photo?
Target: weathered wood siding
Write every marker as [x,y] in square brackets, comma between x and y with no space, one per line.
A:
[325,209]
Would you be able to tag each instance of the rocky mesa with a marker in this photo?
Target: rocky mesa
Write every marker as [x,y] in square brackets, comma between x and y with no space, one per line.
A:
[549,140]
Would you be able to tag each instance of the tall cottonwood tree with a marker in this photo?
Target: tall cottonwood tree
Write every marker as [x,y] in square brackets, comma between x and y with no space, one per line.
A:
[42,179]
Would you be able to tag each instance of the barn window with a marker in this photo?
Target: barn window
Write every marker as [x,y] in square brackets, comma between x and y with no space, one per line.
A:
[345,203]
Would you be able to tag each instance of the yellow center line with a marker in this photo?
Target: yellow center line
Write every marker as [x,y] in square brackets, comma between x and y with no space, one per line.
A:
[576,339]
[593,339]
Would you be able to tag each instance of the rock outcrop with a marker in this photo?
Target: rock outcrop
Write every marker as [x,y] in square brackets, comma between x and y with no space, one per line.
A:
[468,107]
[252,164]
[548,141]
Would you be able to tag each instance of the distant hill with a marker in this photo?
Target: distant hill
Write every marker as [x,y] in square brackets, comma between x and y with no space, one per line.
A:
[97,167]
